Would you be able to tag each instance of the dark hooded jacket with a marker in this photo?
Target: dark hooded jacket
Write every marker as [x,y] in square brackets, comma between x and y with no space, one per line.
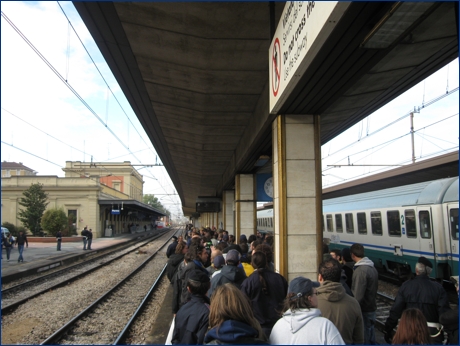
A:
[233,332]
[191,321]
[173,264]
[266,307]
[228,274]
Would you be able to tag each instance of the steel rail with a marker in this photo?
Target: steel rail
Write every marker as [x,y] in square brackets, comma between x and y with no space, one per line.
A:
[52,339]
[100,254]
[140,308]
[14,305]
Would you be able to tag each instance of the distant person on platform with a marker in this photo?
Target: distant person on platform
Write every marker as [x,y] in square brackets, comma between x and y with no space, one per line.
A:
[58,240]
[145,228]
[172,247]
[20,240]
[84,235]
[90,238]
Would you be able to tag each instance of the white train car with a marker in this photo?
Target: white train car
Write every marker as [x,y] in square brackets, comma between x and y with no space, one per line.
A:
[265,221]
[398,225]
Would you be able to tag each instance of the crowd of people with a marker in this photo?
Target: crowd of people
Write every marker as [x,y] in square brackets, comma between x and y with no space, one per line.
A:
[227,292]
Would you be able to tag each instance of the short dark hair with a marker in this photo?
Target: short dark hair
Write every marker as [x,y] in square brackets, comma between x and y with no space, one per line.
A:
[330,270]
[337,252]
[244,248]
[251,238]
[357,250]
[267,250]
[199,288]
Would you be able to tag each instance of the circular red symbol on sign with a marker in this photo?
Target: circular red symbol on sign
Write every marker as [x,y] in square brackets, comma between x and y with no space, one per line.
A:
[276,67]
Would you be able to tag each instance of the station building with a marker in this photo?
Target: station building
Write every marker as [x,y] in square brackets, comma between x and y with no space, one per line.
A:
[105,196]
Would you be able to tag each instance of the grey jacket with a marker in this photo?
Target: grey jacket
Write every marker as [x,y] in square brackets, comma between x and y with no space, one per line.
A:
[365,284]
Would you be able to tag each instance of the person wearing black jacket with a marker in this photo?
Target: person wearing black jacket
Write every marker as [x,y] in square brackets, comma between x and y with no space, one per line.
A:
[59,239]
[175,260]
[421,293]
[20,240]
[172,247]
[84,235]
[7,241]
[191,321]
[89,235]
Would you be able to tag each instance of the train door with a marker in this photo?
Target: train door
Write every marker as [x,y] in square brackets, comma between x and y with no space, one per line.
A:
[426,237]
[452,217]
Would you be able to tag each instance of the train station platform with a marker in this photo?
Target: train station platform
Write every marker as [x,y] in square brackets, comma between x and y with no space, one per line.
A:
[39,256]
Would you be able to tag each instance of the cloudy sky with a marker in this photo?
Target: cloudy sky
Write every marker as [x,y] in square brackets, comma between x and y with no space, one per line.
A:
[44,123]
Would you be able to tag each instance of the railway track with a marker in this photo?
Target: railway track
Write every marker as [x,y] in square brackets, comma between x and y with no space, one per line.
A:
[16,295]
[86,309]
[78,329]
[384,304]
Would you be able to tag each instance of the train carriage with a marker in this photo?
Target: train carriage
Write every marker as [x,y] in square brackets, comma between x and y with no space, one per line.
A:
[398,225]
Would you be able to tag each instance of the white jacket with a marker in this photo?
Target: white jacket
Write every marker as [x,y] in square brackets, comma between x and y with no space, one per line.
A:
[305,327]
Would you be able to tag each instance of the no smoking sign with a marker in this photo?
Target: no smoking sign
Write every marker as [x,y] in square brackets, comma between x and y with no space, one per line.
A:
[276,67]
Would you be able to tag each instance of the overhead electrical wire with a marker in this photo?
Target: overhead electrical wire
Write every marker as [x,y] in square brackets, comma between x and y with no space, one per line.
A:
[70,87]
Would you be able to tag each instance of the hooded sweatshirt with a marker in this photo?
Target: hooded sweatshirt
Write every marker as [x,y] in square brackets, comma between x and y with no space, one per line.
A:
[365,284]
[233,332]
[342,310]
[305,327]
[228,274]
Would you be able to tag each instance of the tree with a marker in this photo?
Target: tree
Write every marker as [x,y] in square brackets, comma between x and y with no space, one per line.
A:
[154,202]
[54,220]
[35,202]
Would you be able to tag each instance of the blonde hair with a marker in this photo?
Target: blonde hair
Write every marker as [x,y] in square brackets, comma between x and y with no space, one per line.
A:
[229,303]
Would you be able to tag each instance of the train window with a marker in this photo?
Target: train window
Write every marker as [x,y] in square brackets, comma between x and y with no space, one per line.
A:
[338,223]
[425,225]
[349,223]
[271,222]
[376,222]
[394,225]
[454,223]
[411,229]
[362,226]
[322,223]
[329,225]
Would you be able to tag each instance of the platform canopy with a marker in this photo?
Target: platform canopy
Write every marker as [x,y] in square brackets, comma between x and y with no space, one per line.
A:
[197,75]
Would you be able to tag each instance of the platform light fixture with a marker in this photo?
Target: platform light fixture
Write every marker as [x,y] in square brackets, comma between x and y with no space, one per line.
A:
[394,23]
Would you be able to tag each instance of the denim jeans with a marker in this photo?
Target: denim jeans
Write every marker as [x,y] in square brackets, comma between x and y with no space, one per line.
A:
[58,245]
[369,331]
[8,252]
[20,249]
[84,243]
[89,243]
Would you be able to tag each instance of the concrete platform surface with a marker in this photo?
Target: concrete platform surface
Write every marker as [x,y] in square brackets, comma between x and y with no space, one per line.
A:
[42,256]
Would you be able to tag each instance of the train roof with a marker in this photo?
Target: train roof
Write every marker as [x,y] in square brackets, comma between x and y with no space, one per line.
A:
[430,192]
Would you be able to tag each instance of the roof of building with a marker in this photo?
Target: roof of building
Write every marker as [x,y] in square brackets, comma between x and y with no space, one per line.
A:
[15,165]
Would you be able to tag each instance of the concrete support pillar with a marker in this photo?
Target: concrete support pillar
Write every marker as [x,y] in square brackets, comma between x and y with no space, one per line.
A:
[228,211]
[297,195]
[245,205]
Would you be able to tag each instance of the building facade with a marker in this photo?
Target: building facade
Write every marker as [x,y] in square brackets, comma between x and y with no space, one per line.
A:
[106,197]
